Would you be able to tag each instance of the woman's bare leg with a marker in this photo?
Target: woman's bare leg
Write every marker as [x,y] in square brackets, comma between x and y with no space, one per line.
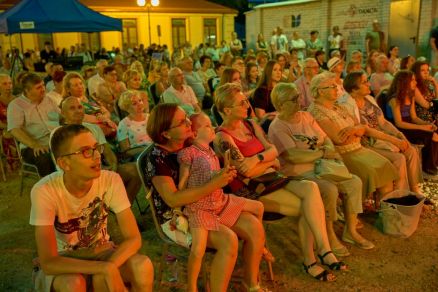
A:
[225,242]
[250,229]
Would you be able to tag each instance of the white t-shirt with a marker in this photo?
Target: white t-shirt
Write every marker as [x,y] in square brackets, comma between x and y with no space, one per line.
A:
[133,130]
[78,222]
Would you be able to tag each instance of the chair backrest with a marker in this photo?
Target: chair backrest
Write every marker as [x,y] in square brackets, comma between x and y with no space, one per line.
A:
[26,168]
[153,92]
[382,99]
[150,191]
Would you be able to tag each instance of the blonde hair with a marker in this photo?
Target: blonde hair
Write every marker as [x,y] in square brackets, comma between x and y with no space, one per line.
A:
[317,80]
[283,92]
[129,74]
[66,83]
[224,95]
[125,99]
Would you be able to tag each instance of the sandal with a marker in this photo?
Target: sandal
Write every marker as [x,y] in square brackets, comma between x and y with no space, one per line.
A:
[323,276]
[267,255]
[336,266]
[256,288]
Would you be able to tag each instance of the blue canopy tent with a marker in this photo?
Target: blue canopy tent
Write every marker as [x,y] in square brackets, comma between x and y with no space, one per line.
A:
[47,16]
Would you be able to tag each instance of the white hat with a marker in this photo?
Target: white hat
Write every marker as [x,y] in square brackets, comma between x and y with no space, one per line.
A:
[333,62]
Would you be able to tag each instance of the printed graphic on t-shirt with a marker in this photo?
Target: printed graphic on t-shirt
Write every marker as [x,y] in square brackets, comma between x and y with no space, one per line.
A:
[90,225]
[305,141]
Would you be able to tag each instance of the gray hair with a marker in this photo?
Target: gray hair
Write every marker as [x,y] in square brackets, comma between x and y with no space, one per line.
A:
[283,92]
[172,73]
[317,80]
[125,99]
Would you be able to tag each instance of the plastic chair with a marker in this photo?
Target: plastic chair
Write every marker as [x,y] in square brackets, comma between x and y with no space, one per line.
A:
[167,242]
[26,168]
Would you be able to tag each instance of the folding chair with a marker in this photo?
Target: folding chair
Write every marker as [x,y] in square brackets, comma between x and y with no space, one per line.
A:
[26,168]
[167,242]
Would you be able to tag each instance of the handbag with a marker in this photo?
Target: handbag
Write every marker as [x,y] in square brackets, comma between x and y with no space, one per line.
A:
[400,212]
[331,169]
[267,183]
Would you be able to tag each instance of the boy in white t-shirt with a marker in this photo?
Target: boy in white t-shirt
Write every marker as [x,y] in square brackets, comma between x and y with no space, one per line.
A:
[70,210]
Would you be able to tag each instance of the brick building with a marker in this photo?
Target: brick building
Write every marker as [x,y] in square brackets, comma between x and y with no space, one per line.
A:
[406,23]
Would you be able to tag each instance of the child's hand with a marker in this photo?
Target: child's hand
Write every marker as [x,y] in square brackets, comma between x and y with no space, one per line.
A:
[223,177]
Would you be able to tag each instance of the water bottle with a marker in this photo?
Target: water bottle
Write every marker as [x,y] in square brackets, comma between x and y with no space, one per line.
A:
[171,268]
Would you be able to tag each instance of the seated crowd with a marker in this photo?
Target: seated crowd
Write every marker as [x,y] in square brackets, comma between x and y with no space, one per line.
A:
[219,130]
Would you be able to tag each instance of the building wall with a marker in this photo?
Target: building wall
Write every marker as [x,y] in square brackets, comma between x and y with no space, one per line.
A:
[354,19]
[194,31]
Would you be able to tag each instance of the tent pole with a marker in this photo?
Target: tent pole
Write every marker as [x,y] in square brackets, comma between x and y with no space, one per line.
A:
[21,42]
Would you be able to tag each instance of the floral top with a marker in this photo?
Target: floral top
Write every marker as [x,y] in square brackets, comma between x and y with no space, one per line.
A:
[340,117]
[369,114]
[160,162]
[423,113]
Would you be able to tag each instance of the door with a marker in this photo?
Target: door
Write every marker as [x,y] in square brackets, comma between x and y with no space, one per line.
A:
[403,26]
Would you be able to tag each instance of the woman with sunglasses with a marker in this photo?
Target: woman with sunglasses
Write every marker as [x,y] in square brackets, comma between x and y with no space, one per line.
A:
[253,155]
[375,171]
[170,129]
[300,143]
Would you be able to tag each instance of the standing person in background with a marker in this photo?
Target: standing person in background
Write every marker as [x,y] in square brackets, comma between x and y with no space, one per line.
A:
[261,44]
[433,41]
[298,44]
[314,44]
[375,39]
[236,46]
[279,42]
[47,54]
[336,40]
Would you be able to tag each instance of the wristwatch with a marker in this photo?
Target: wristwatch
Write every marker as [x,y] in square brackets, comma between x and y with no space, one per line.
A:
[260,157]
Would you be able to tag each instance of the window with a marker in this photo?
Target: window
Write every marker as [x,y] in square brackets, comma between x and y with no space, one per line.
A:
[45,37]
[210,31]
[91,40]
[129,33]
[178,32]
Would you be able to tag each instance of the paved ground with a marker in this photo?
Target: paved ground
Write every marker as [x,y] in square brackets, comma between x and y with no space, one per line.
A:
[395,265]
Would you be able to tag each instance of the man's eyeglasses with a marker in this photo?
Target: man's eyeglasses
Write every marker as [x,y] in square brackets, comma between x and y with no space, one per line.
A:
[88,152]
[329,87]
[186,122]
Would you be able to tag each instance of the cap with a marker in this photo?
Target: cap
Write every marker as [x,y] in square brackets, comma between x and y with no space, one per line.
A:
[333,62]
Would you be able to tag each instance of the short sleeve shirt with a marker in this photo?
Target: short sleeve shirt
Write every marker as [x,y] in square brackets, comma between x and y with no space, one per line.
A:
[304,134]
[33,118]
[78,222]
[161,163]
[135,131]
